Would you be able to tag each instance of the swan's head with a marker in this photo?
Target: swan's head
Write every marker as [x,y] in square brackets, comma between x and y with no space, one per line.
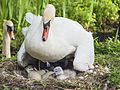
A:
[48,16]
[9,28]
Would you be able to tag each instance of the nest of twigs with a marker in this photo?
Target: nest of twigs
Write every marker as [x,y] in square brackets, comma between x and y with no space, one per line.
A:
[13,78]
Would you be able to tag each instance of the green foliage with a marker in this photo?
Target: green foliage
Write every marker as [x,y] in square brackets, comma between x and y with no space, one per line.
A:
[105,10]
[108,47]
[83,13]
[116,2]
[90,13]
[107,53]
[15,10]
[113,62]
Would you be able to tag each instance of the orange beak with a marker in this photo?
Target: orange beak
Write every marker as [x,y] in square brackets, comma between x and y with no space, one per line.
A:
[45,34]
[11,34]
[46,28]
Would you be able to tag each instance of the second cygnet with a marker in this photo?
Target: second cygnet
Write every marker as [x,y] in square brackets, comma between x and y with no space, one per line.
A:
[64,74]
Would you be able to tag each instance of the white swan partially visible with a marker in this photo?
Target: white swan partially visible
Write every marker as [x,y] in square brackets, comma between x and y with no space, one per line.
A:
[51,38]
[8,34]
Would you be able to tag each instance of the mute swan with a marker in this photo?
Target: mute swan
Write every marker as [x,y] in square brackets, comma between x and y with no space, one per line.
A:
[51,38]
[8,34]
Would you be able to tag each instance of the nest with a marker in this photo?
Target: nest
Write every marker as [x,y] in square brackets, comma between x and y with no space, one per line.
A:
[12,77]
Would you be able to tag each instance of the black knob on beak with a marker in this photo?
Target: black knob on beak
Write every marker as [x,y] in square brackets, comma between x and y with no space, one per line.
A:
[13,38]
[43,39]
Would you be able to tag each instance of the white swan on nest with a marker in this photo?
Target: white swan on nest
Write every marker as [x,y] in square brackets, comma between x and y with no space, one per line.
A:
[51,38]
[8,34]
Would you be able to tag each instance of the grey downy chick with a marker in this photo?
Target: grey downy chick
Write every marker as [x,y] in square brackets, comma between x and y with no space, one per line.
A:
[40,75]
[64,74]
[32,73]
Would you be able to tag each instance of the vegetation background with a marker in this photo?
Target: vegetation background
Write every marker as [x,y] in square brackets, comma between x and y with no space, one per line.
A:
[102,17]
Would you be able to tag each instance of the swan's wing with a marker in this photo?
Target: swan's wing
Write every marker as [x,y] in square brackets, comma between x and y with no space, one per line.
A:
[24,30]
[30,17]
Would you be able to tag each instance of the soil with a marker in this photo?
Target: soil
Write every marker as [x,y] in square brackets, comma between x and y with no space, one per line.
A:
[14,78]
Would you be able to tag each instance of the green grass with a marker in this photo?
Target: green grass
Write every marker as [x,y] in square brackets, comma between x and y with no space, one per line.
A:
[108,53]
[113,62]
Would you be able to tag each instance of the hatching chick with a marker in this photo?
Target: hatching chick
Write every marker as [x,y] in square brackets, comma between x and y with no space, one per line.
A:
[33,73]
[62,75]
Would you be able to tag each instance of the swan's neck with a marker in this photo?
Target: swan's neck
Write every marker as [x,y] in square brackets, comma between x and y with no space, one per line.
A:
[6,45]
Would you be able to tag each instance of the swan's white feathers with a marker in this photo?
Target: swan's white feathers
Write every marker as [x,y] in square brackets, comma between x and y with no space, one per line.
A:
[65,37]
[24,30]
[30,17]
